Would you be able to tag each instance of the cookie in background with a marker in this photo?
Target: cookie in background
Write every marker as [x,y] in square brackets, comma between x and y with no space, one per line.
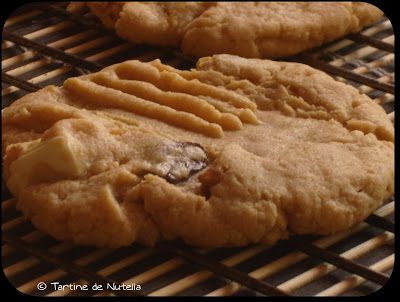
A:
[248,29]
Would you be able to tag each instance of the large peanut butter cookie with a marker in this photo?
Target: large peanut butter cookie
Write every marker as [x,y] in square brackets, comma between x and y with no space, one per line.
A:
[236,151]
[248,29]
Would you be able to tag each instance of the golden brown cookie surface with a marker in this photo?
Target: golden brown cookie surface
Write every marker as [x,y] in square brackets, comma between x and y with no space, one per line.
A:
[248,29]
[234,152]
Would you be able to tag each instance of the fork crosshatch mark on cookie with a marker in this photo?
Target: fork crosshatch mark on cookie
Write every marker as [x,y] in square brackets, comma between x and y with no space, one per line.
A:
[249,29]
[234,152]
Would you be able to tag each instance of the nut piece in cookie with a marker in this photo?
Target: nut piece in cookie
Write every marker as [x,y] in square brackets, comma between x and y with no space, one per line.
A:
[208,179]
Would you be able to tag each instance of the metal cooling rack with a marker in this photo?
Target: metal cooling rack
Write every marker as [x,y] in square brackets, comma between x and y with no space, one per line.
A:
[44,44]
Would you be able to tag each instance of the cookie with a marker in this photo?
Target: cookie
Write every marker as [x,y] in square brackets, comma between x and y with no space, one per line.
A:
[248,29]
[234,152]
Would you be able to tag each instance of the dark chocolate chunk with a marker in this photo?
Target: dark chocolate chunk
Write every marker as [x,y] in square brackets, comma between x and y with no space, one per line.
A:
[189,159]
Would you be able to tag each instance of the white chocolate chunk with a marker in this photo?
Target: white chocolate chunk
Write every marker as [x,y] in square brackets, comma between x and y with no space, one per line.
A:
[53,158]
